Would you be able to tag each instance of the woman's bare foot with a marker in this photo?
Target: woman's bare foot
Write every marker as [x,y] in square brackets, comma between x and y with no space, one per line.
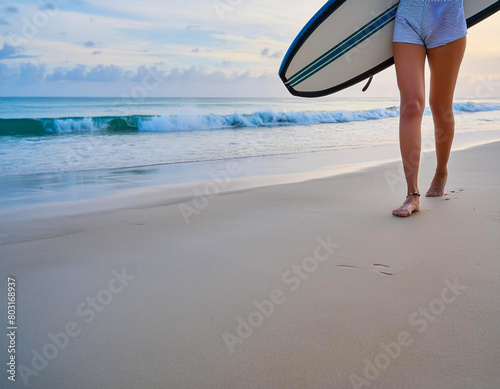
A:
[410,205]
[437,185]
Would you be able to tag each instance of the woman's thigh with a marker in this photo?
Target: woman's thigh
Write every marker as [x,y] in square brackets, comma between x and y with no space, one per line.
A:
[409,60]
[444,64]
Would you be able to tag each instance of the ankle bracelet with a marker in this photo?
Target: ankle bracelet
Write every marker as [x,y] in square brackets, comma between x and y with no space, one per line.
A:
[413,193]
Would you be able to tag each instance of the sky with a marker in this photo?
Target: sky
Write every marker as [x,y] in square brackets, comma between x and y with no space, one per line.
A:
[191,48]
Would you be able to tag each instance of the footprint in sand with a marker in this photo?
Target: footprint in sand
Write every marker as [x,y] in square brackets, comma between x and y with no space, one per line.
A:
[453,191]
[350,267]
[383,266]
[375,265]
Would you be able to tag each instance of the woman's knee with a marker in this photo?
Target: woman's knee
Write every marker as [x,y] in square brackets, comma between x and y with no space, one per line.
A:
[441,111]
[412,107]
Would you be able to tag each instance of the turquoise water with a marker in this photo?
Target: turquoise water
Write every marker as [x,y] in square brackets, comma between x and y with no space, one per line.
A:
[45,135]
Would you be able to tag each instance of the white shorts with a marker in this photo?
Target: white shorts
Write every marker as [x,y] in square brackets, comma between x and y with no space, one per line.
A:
[430,23]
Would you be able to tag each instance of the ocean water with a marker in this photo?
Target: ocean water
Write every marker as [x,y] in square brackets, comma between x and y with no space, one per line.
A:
[51,135]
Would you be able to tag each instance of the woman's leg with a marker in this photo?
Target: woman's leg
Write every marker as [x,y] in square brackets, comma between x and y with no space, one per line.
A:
[444,63]
[410,71]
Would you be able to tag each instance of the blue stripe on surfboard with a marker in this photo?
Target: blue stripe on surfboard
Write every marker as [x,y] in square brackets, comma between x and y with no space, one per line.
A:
[349,38]
[355,39]
[338,54]
[350,42]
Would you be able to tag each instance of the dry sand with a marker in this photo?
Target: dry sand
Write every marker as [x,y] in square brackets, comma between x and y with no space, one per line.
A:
[306,285]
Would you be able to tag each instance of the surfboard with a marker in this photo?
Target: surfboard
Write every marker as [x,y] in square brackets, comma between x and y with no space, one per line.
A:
[348,41]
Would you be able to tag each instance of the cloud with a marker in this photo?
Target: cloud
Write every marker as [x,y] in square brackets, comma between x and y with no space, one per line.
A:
[88,44]
[80,80]
[4,22]
[200,75]
[96,52]
[9,51]
[197,50]
[109,73]
[11,10]
[60,74]
[7,72]
[267,53]
[47,6]
[76,74]
[12,52]
[99,73]
[17,79]
[30,74]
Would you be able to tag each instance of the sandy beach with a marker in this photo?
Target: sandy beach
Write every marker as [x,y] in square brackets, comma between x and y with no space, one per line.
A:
[303,285]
